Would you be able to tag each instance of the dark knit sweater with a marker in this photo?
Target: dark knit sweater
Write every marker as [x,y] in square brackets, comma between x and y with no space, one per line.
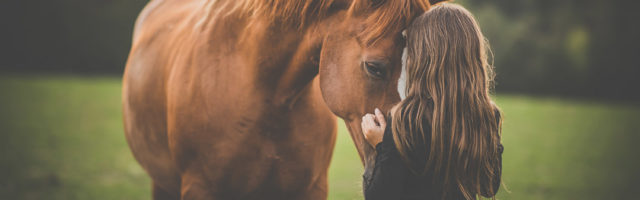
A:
[391,178]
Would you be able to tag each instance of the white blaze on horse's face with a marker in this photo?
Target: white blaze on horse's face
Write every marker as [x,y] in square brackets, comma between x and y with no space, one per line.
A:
[402,81]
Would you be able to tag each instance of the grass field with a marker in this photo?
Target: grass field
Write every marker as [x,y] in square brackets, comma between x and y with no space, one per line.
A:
[62,138]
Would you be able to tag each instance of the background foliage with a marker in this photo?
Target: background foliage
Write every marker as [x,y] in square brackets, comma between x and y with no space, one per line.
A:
[559,47]
[67,36]
[563,47]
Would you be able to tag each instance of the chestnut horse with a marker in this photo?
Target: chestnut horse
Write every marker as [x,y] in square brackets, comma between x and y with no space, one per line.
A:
[235,99]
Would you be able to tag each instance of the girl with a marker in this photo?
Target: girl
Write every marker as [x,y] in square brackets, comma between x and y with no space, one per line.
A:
[443,140]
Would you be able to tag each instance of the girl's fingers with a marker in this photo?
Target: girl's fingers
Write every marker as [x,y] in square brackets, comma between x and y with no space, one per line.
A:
[365,121]
[369,120]
[380,118]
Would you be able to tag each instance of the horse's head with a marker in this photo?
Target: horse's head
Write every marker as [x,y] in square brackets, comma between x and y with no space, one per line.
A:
[360,62]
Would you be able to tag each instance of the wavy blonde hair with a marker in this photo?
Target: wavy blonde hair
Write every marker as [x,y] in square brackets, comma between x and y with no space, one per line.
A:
[448,125]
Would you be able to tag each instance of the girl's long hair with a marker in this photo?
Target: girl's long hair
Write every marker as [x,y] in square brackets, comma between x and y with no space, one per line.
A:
[448,125]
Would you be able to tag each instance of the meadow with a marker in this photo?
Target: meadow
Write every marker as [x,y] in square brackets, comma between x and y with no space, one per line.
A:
[62,138]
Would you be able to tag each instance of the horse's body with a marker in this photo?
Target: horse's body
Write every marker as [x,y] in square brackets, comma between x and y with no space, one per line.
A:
[222,102]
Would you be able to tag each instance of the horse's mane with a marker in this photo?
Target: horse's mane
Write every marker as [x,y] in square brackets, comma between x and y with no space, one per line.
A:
[383,16]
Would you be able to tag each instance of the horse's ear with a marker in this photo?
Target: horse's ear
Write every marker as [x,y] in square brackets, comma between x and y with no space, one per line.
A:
[432,2]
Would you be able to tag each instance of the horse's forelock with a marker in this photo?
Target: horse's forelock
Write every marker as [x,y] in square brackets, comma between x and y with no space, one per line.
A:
[383,17]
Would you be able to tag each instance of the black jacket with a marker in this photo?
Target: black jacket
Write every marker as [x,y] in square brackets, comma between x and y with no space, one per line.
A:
[391,178]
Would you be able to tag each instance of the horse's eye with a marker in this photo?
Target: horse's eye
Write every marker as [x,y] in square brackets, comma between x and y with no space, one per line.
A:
[375,69]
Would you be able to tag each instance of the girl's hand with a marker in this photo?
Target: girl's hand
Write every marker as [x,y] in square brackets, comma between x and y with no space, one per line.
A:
[373,127]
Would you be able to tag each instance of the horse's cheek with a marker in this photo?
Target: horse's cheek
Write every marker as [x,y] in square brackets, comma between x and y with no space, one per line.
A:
[330,86]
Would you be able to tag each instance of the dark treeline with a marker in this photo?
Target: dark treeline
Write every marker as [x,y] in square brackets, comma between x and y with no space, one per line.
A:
[557,47]
[564,47]
[67,36]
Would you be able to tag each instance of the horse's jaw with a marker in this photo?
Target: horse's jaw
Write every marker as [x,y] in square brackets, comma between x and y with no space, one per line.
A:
[366,152]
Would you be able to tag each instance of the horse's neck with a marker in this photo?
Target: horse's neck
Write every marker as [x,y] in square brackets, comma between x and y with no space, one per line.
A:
[295,55]
[283,58]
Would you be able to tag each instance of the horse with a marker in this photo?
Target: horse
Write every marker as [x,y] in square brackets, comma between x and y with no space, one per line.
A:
[237,99]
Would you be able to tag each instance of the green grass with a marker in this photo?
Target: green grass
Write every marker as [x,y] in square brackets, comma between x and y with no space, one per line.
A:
[62,138]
